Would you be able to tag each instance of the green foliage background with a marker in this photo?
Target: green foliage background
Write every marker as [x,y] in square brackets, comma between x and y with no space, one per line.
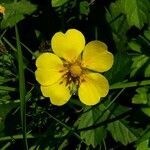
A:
[120,121]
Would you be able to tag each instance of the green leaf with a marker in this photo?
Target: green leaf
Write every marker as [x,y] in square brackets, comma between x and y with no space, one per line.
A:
[117,73]
[141,97]
[119,129]
[118,23]
[4,80]
[94,136]
[115,17]
[143,145]
[99,116]
[58,3]
[144,136]
[121,132]
[135,46]
[141,61]
[137,12]
[146,110]
[147,34]
[138,63]
[147,71]
[16,12]
[84,8]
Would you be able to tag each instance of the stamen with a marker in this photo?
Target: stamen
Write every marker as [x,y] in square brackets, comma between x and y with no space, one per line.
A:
[75,70]
[71,73]
[61,82]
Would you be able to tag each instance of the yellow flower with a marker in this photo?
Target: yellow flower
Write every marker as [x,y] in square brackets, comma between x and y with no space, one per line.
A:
[74,64]
[2,9]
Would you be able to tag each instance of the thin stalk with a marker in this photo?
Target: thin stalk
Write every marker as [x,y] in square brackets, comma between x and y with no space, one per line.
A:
[66,126]
[105,147]
[27,48]
[110,104]
[6,146]
[96,32]
[16,137]
[21,88]
[3,34]
[10,45]
[14,49]
[129,84]
[104,123]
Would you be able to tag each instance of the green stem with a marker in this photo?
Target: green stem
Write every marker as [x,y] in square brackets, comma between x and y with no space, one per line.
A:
[21,88]
[66,126]
[15,137]
[129,84]
[96,32]
[6,146]
[105,122]
[14,49]
[2,34]
[28,49]
[109,105]
[9,44]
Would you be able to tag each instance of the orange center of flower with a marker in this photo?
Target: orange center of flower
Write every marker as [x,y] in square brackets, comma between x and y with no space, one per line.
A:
[75,70]
[2,9]
[72,73]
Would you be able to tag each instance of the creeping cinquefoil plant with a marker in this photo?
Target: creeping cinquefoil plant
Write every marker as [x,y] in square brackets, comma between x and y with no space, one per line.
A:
[74,64]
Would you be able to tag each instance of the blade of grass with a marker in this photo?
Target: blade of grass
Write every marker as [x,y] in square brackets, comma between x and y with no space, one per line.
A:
[3,34]
[21,88]
[96,33]
[129,84]
[16,137]
[9,44]
[14,49]
[27,48]
[6,88]
[6,146]
[110,104]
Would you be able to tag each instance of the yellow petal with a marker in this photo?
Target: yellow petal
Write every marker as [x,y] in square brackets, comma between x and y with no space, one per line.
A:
[92,88]
[96,57]
[48,69]
[68,45]
[48,60]
[58,93]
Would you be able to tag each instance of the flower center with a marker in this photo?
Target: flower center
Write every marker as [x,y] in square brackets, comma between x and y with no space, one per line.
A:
[71,74]
[2,9]
[75,70]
